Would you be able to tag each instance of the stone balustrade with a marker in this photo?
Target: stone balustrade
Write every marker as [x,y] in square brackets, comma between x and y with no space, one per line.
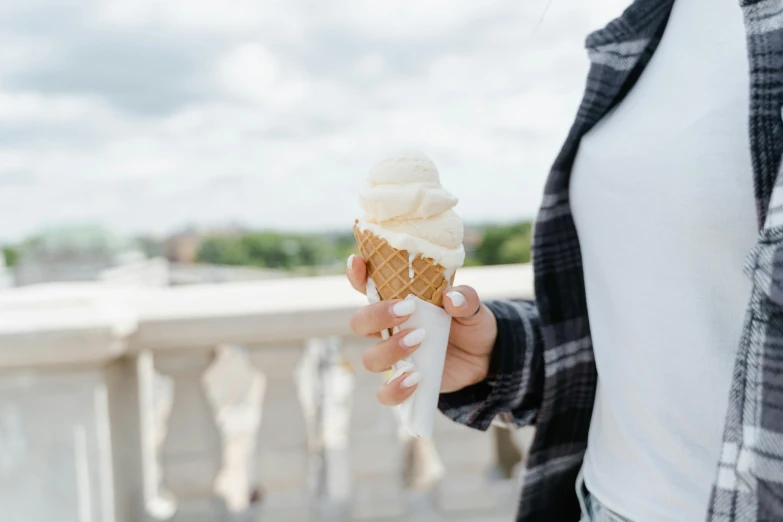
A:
[236,401]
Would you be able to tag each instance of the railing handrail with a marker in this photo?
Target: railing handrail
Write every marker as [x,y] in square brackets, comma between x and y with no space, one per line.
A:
[275,310]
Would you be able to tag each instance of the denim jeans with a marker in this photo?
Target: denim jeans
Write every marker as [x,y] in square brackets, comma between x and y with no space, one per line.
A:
[592,510]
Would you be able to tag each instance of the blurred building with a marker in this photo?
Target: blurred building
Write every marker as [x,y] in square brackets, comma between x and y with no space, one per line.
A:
[91,253]
[85,253]
[182,247]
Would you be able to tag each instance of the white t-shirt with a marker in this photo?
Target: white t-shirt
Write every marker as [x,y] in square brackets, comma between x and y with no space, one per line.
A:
[662,197]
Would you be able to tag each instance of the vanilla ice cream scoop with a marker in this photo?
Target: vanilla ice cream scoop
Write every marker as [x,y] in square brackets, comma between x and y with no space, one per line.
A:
[411,241]
[405,204]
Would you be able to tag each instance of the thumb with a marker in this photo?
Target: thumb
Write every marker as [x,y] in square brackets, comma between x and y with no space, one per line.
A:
[463,304]
[357,273]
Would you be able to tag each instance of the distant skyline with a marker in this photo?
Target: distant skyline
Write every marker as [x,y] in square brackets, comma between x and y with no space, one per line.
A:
[149,116]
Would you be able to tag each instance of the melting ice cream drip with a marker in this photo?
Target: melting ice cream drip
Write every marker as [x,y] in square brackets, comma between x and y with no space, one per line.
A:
[372,291]
[411,257]
[373,296]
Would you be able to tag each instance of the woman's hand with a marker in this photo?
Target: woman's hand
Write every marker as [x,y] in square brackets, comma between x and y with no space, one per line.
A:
[473,332]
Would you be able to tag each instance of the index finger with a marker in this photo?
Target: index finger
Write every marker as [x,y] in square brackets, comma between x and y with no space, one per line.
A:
[357,273]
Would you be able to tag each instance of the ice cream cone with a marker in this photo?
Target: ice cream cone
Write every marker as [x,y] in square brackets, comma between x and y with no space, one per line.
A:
[399,273]
[411,241]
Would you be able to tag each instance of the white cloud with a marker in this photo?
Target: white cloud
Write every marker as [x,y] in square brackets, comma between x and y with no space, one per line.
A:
[250,71]
[371,65]
[32,107]
[204,16]
[254,73]
[402,19]
[270,112]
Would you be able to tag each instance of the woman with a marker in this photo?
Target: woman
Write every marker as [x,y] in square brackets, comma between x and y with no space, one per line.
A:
[651,365]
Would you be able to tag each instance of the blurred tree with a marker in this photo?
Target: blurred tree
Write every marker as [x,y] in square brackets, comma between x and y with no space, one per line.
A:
[515,249]
[151,246]
[488,252]
[505,244]
[344,245]
[222,250]
[315,251]
[11,255]
[265,249]
[500,245]
[471,261]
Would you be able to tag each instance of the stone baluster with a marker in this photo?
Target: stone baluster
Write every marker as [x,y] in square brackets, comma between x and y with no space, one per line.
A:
[508,453]
[156,397]
[325,384]
[235,391]
[192,453]
[376,452]
[282,455]
[55,447]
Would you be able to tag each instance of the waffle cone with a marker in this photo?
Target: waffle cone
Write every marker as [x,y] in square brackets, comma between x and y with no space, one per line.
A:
[389,268]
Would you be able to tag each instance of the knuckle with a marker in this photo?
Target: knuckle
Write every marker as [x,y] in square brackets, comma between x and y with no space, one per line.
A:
[470,293]
[369,361]
[376,315]
[387,396]
[381,395]
[355,323]
[366,361]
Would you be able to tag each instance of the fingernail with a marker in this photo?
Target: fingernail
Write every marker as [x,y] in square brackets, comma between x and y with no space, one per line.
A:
[350,261]
[413,338]
[411,380]
[403,308]
[457,299]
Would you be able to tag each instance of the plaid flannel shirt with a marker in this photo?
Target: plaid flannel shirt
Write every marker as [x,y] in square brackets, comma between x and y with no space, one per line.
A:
[543,371]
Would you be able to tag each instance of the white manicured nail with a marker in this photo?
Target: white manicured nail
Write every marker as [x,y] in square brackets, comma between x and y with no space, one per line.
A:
[457,299]
[403,308]
[411,380]
[350,261]
[414,338]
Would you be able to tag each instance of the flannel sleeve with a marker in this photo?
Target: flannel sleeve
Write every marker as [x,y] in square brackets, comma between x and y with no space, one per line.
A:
[513,389]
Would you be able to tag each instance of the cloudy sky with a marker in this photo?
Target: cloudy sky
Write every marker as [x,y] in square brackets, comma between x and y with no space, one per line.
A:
[150,115]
